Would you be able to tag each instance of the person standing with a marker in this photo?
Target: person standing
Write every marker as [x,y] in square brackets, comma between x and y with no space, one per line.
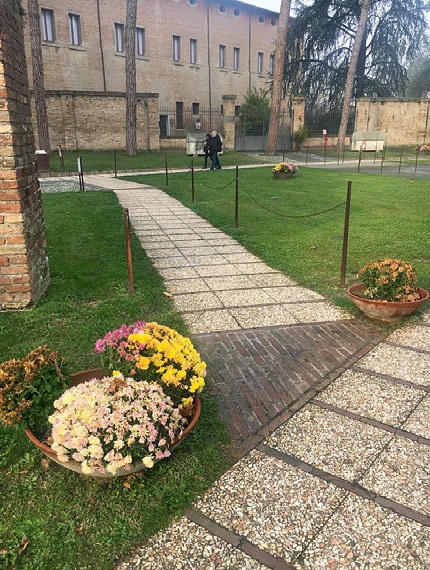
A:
[206,149]
[215,146]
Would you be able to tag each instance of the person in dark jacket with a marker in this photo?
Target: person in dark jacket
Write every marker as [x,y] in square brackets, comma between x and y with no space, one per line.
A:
[215,146]
[206,149]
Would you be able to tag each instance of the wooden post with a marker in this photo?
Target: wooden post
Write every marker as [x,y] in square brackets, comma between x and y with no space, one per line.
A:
[401,158]
[192,181]
[345,235]
[167,170]
[128,250]
[236,200]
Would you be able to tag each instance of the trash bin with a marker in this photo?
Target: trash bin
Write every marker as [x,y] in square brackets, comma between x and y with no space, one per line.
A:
[42,160]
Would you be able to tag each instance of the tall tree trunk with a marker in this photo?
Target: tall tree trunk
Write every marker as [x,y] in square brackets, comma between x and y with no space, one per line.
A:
[38,77]
[351,74]
[361,67]
[275,110]
[130,76]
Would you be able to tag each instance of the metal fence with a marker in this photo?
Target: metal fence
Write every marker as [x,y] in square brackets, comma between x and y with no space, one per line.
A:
[177,122]
[316,123]
[255,125]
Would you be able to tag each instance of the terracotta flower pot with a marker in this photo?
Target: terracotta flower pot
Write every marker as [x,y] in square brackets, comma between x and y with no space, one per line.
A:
[84,376]
[283,174]
[386,311]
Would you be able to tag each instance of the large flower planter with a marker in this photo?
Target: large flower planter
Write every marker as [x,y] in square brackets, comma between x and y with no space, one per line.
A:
[281,175]
[84,376]
[386,311]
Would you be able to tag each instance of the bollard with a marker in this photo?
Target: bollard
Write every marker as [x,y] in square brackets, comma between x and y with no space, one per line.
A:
[128,252]
[345,235]
[236,200]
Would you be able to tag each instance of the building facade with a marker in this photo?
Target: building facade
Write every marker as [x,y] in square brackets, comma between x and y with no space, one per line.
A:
[190,52]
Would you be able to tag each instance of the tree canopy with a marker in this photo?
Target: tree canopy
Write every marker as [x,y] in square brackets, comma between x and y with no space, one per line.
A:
[320,40]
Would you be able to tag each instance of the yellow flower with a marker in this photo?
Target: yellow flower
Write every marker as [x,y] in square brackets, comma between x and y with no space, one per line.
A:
[139,338]
[197,384]
[117,374]
[143,363]
[148,462]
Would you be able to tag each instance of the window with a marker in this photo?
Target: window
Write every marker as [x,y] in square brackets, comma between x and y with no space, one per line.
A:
[193,2]
[140,41]
[196,108]
[236,12]
[237,110]
[273,22]
[193,51]
[47,20]
[222,8]
[119,37]
[260,59]
[221,56]
[261,19]
[272,63]
[236,57]
[176,48]
[75,29]
[179,115]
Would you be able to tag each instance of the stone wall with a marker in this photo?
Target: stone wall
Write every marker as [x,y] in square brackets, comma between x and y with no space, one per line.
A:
[24,273]
[403,121]
[96,121]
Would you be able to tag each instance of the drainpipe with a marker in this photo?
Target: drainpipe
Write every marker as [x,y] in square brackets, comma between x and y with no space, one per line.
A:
[101,45]
[209,66]
[249,52]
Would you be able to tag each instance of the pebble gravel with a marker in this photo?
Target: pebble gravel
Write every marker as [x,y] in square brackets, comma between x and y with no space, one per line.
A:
[277,507]
[372,397]
[415,336]
[419,421]
[334,443]
[185,545]
[362,535]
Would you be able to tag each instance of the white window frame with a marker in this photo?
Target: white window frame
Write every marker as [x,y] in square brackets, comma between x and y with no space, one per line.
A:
[119,37]
[272,63]
[176,53]
[193,51]
[222,53]
[260,63]
[236,58]
[47,24]
[75,29]
[140,41]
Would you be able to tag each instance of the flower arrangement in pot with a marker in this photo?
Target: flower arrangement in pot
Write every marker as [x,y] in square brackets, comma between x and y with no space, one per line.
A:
[285,170]
[387,290]
[115,424]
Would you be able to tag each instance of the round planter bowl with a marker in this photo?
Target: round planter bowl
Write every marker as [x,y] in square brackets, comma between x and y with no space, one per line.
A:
[84,376]
[386,311]
[283,174]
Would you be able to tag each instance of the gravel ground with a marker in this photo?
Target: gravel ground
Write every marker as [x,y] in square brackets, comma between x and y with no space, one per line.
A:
[56,186]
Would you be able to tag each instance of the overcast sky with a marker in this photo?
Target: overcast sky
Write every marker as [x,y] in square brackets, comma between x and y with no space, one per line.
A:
[269,4]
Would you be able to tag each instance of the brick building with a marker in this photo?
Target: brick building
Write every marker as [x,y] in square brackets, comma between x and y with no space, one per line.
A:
[189,52]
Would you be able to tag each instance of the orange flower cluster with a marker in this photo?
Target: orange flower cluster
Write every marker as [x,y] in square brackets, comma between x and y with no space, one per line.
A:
[389,280]
[28,385]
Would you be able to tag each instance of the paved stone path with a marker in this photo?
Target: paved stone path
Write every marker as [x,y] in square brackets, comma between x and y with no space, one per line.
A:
[334,430]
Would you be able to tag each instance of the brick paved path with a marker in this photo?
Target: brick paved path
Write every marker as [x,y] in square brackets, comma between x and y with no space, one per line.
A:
[257,374]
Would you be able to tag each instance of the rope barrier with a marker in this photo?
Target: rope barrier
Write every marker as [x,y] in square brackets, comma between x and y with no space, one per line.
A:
[217,187]
[287,215]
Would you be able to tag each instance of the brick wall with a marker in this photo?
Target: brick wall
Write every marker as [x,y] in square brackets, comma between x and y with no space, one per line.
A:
[24,273]
[96,120]
[403,121]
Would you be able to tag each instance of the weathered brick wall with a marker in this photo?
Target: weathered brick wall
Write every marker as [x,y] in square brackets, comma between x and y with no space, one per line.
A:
[403,120]
[24,273]
[96,121]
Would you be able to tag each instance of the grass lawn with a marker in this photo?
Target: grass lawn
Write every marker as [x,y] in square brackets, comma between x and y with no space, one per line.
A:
[105,160]
[408,155]
[389,218]
[51,517]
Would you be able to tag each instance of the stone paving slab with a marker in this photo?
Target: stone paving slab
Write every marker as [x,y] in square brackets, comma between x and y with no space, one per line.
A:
[373,397]
[364,536]
[401,473]
[333,443]
[275,506]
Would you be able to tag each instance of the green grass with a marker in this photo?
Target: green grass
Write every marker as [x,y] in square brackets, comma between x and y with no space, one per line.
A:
[68,520]
[389,218]
[105,160]
[391,154]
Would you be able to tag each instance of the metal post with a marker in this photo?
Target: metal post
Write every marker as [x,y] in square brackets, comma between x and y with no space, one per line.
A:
[307,152]
[401,158]
[359,161]
[167,170]
[416,159]
[128,250]
[192,181]
[345,235]
[116,174]
[60,154]
[338,155]
[283,153]
[236,200]
[81,175]
[382,158]
[325,151]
